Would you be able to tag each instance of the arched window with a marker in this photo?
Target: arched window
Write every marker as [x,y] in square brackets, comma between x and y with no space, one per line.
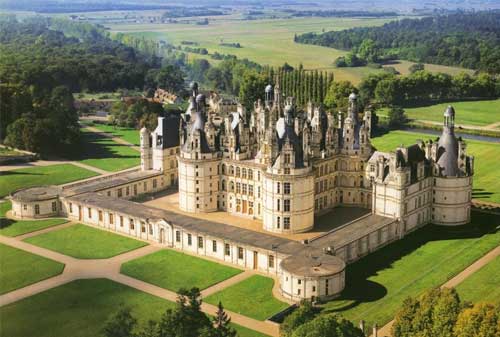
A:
[223,168]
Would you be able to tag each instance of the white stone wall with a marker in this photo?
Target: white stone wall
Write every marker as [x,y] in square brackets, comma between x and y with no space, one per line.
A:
[299,287]
[451,200]
[36,209]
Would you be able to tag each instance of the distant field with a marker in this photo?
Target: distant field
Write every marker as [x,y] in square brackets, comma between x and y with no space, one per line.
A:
[467,112]
[377,285]
[80,309]
[106,154]
[269,41]
[41,175]
[486,183]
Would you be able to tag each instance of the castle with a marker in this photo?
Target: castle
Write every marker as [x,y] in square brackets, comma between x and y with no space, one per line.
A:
[285,169]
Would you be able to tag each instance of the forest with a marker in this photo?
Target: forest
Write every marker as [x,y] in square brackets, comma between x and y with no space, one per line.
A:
[469,40]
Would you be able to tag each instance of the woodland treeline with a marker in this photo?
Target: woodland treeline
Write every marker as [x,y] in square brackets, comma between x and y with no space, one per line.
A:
[469,40]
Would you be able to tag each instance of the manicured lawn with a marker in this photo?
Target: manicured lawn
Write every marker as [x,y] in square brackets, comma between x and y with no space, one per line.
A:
[9,227]
[251,297]
[377,284]
[483,285]
[19,269]
[467,112]
[80,309]
[4,152]
[128,134]
[486,183]
[84,242]
[174,270]
[106,154]
[41,175]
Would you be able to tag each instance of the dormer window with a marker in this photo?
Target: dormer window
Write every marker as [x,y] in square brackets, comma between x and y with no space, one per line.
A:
[159,140]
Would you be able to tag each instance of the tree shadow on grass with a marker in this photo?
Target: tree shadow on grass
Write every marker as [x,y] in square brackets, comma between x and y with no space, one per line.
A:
[359,289]
[481,193]
[17,173]
[97,146]
[6,222]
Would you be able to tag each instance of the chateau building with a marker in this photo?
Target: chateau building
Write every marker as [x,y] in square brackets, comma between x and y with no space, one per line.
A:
[283,168]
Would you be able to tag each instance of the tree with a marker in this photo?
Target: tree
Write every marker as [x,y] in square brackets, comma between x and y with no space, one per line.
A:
[329,325]
[433,314]
[337,96]
[221,323]
[396,116]
[481,320]
[369,51]
[121,324]
[251,88]
[169,77]
[303,314]
[386,91]
[416,67]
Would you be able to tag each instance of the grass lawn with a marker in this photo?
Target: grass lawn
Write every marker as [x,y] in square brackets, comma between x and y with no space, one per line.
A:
[5,152]
[9,227]
[20,268]
[378,283]
[486,182]
[128,134]
[106,154]
[174,270]
[80,309]
[84,242]
[251,297]
[41,175]
[468,112]
[483,285]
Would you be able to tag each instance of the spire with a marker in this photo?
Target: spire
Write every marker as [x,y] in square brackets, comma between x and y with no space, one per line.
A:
[353,108]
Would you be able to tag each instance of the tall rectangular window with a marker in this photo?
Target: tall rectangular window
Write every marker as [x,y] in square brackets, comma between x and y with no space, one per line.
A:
[271,261]
[54,206]
[286,223]
[200,242]
[37,209]
[286,205]
[189,240]
[119,193]
[132,225]
[70,207]
[89,210]
[240,253]
[214,246]
[111,218]
[177,236]
[227,249]
[286,188]
[278,188]
[100,215]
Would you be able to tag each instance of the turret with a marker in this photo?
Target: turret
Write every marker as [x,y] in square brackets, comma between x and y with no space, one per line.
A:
[447,155]
[146,151]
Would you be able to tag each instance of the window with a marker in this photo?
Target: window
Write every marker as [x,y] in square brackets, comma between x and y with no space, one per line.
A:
[132,226]
[100,215]
[287,158]
[37,209]
[287,170]
[327,288]
[244,188]
[54,206]
[258,191]
[286,223]
[299,281]
[177,236]
[70,207]
[250,190]
[150,229]
[200,242]
[237,171]
[145,185]
[121,221]
[89,211]
[214,245]
[286,188]
[135,189]
[278,204]
[271,261]
[109,193]
[25,207]
[314,289]
[240,253]
[154,183]
[238,188]
[120,193]
[278,222]
[227,249]
[286,205]
[143,227]
[244,173]
[190,240]
[278,187]
[111,218]
[127,190]
[250,174]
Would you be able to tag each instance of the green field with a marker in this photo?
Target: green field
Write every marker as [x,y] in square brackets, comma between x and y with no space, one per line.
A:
[478,113]
[268,41]
[5,152]
[19,269]
[483,285]
[104,153]
[80,309]
[174,270]
[486,183]
[251,297]
[10,227]
[128,134]
[84,242]
[378,283]
[41,175]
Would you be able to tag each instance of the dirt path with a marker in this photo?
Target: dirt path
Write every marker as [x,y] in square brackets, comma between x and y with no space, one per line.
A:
[453,282]
[110,268]
[464,126]
[50,163]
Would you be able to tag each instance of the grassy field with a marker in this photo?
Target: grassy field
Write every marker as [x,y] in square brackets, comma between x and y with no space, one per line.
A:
[478,113]
[84,242]
[174,270]
[9,227]
[104,153]
[80,309]
[378,283]
[486,182]
[20,268]
[5,152]
[269,41]
[41,175]
[483,285]
[251,297]
[128,134]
